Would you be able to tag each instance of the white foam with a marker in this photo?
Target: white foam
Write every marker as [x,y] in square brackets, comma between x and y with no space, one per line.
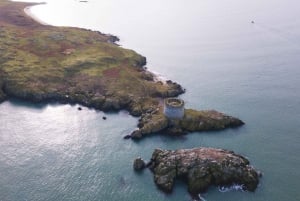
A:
[201,198]
[234,187]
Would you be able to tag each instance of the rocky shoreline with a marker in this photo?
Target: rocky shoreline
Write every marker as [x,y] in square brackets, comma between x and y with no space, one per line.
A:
[200,168]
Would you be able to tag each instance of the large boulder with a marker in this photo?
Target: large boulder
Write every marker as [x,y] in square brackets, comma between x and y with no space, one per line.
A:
[139,164]
[201,168]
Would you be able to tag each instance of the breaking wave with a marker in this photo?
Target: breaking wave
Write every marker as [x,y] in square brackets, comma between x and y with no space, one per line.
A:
[234,187]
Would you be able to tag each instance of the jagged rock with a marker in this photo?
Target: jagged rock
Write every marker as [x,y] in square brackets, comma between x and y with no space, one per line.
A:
[201,168]
[135,109]
[146,75]
[97,101]
[2,96]
[136,134]
[139,164]
[153,123]
[111,104]
[175,131]
[126,137]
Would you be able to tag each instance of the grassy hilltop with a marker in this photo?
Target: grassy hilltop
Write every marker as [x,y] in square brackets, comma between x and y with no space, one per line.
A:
[41,62]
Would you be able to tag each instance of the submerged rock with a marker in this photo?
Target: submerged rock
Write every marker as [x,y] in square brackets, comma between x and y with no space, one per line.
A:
[201,168]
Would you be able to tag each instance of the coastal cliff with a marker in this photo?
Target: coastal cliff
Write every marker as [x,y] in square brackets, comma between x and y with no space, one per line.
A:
[201,168]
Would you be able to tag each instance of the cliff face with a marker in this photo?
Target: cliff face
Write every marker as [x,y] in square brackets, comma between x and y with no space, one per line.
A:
[202,167]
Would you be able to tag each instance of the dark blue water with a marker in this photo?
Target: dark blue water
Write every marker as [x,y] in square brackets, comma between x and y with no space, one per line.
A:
[248,70]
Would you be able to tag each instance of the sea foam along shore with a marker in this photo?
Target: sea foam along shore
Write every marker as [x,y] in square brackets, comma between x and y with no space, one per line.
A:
[28,12]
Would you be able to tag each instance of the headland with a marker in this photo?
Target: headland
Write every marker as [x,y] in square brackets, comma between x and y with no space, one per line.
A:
[42,63]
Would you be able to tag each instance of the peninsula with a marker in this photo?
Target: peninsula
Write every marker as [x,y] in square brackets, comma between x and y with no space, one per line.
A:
[42,63]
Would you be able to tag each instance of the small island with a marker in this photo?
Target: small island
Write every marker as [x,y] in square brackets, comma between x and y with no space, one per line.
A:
[173,119]
[200,168]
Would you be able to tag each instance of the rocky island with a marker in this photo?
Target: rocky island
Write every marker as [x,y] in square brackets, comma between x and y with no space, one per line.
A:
[42,63]
[190,120]
[200,168]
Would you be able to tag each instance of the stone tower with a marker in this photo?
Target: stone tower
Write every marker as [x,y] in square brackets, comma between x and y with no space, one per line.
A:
[174,108]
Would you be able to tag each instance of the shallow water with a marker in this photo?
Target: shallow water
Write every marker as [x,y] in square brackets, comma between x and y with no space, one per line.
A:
[248,70]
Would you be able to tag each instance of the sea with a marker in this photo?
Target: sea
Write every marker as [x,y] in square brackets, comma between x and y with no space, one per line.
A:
[240,57]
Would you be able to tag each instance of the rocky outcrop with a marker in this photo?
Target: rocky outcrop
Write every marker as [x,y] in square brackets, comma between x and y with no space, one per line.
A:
[193,120]
[149,123]
[207,120]
[139,164]
[201,168]
[2,94]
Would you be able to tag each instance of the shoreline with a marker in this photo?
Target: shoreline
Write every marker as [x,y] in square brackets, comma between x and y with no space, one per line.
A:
[28,12]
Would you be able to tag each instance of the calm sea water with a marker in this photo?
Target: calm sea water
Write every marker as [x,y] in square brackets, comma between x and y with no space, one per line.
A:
[249,70]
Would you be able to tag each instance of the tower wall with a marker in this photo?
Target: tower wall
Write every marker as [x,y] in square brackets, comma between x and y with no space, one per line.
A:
[174,108]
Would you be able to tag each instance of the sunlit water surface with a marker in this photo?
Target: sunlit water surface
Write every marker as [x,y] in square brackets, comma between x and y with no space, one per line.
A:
[249,70]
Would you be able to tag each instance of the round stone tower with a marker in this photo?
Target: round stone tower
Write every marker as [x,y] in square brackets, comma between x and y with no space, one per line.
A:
[174,108]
